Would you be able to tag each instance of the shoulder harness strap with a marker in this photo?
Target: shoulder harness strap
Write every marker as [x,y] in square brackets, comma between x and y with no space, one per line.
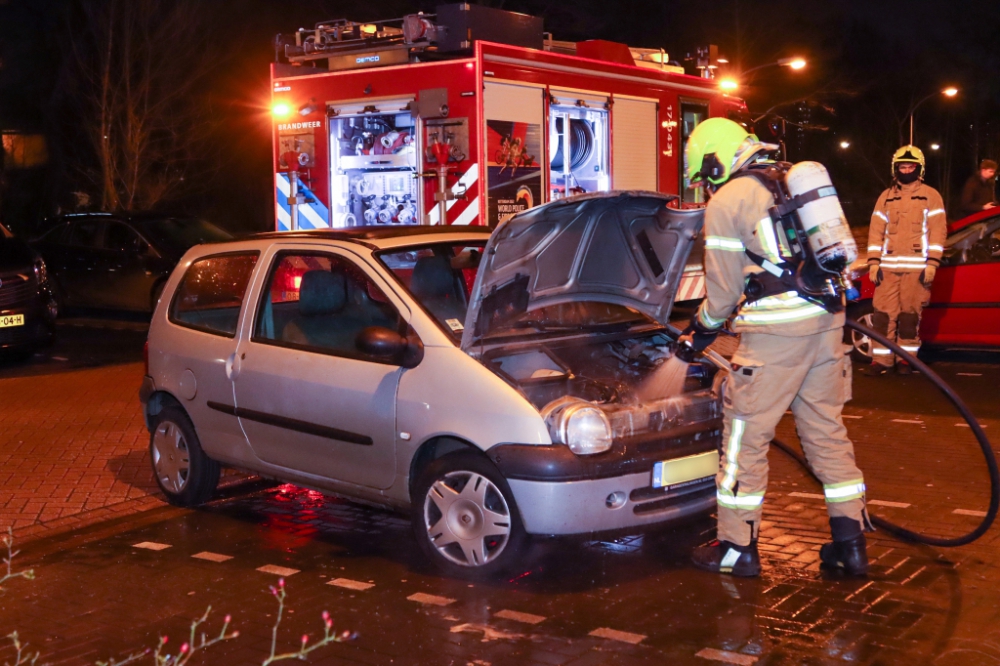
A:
[777,278]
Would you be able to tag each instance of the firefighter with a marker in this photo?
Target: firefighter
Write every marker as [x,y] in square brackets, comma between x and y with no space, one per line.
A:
[791,355]
[905,242]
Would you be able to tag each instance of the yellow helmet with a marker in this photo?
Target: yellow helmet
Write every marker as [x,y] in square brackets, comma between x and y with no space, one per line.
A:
[910,154]
[717,147]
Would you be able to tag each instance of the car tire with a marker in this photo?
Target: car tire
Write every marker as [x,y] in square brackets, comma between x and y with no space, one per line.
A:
[465,519]
[59,296]
[184,473]
[861,345]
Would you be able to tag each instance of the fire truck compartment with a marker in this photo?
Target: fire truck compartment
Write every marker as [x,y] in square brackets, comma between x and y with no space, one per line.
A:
[373,161]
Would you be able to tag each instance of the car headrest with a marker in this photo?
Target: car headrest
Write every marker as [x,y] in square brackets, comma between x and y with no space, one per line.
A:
[322,292]
[357,293]
[432,277]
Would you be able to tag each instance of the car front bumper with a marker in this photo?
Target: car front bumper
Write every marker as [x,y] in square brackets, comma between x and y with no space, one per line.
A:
[603,505]
[560,493]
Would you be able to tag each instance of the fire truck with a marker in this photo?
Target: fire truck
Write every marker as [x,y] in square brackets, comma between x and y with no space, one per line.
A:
[472,114]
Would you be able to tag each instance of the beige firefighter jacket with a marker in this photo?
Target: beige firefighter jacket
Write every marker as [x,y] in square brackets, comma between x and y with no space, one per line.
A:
[737,219]
[908,228]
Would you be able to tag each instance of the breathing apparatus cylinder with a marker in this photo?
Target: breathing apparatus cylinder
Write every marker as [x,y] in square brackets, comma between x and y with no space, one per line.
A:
[821,216]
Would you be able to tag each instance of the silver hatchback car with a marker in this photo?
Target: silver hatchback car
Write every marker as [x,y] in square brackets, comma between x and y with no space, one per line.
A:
[486,383]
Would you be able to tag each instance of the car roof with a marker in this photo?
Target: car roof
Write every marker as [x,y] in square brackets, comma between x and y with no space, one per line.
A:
[382,237]
[133,216]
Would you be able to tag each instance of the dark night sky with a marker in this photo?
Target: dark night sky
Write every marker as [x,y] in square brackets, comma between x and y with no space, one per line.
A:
[869,61]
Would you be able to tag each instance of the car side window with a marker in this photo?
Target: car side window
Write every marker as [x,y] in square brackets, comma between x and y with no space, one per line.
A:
[211,293]
[86,233]
[120,238]
[59,234]
[320,302]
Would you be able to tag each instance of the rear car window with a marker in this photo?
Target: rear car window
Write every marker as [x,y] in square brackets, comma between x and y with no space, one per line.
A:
[211,293]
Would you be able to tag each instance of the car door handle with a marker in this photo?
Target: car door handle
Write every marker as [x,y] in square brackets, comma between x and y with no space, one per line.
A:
[233,366]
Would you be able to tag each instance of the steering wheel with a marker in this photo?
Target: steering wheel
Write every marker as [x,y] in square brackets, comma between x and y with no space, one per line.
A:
[994,246]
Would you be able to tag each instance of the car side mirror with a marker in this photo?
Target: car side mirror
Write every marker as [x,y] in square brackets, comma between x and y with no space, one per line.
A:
[140,246]
[383,343]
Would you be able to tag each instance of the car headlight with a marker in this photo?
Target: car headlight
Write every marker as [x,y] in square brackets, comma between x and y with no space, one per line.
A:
[581,426]
[41,273]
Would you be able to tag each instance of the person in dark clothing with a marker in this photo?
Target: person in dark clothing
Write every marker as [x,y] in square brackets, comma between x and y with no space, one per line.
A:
[978,192]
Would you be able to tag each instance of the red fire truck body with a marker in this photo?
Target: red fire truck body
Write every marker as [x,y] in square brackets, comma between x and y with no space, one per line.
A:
[473,138]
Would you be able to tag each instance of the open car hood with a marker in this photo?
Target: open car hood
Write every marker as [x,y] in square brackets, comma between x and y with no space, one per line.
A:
[626,248]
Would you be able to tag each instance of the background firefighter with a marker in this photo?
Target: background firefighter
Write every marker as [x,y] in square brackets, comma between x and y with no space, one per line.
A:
[790,355]
[905,242]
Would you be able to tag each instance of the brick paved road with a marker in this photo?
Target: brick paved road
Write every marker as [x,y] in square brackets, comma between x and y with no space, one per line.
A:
[76,486]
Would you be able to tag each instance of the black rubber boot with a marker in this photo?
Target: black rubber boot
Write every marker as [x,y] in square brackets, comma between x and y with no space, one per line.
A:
[728,558]
[848,551]
[904,368]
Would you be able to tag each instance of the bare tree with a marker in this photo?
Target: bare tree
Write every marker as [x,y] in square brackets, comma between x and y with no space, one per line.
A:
[141,66]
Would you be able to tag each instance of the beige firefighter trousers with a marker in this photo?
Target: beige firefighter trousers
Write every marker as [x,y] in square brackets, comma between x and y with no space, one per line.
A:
[812,376]
[898,301]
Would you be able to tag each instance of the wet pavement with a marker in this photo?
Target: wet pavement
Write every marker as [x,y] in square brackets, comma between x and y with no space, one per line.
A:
[110,583]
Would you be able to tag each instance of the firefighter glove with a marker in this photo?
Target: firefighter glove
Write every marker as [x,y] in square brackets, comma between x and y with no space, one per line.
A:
[875,274]
[697,337]
[927,275]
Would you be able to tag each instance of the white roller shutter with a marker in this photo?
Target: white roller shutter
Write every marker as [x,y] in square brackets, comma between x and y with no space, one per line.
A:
[513,103]
[633,139]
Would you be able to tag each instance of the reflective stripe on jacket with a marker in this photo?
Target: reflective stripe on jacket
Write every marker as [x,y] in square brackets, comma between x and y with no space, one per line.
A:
[908,228]
[736,220]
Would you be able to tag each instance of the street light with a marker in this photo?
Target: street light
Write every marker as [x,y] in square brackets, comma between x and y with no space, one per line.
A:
[794,63]
[950,91]
[845,144]
[731,83]
[935,146]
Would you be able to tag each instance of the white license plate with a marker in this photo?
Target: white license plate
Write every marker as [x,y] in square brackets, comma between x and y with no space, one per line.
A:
[681,470]
[6,321]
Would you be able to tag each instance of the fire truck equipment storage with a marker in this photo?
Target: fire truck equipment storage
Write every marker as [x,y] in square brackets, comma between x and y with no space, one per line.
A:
[469,115]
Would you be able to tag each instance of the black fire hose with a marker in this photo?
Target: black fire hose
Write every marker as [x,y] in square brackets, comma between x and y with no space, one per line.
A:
[963,409]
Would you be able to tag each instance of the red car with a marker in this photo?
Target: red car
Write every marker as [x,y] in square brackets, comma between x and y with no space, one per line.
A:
[964,310]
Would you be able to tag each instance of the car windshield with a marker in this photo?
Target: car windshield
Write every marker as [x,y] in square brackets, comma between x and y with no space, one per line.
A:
[976,243]
[440,277]
[181,233]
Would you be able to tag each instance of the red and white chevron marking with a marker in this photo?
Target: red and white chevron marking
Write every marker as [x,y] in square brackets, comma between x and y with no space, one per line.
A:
[692,287]
[464,210]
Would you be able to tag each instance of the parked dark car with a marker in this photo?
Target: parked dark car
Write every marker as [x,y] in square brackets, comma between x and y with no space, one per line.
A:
[27,308]
[118,261]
